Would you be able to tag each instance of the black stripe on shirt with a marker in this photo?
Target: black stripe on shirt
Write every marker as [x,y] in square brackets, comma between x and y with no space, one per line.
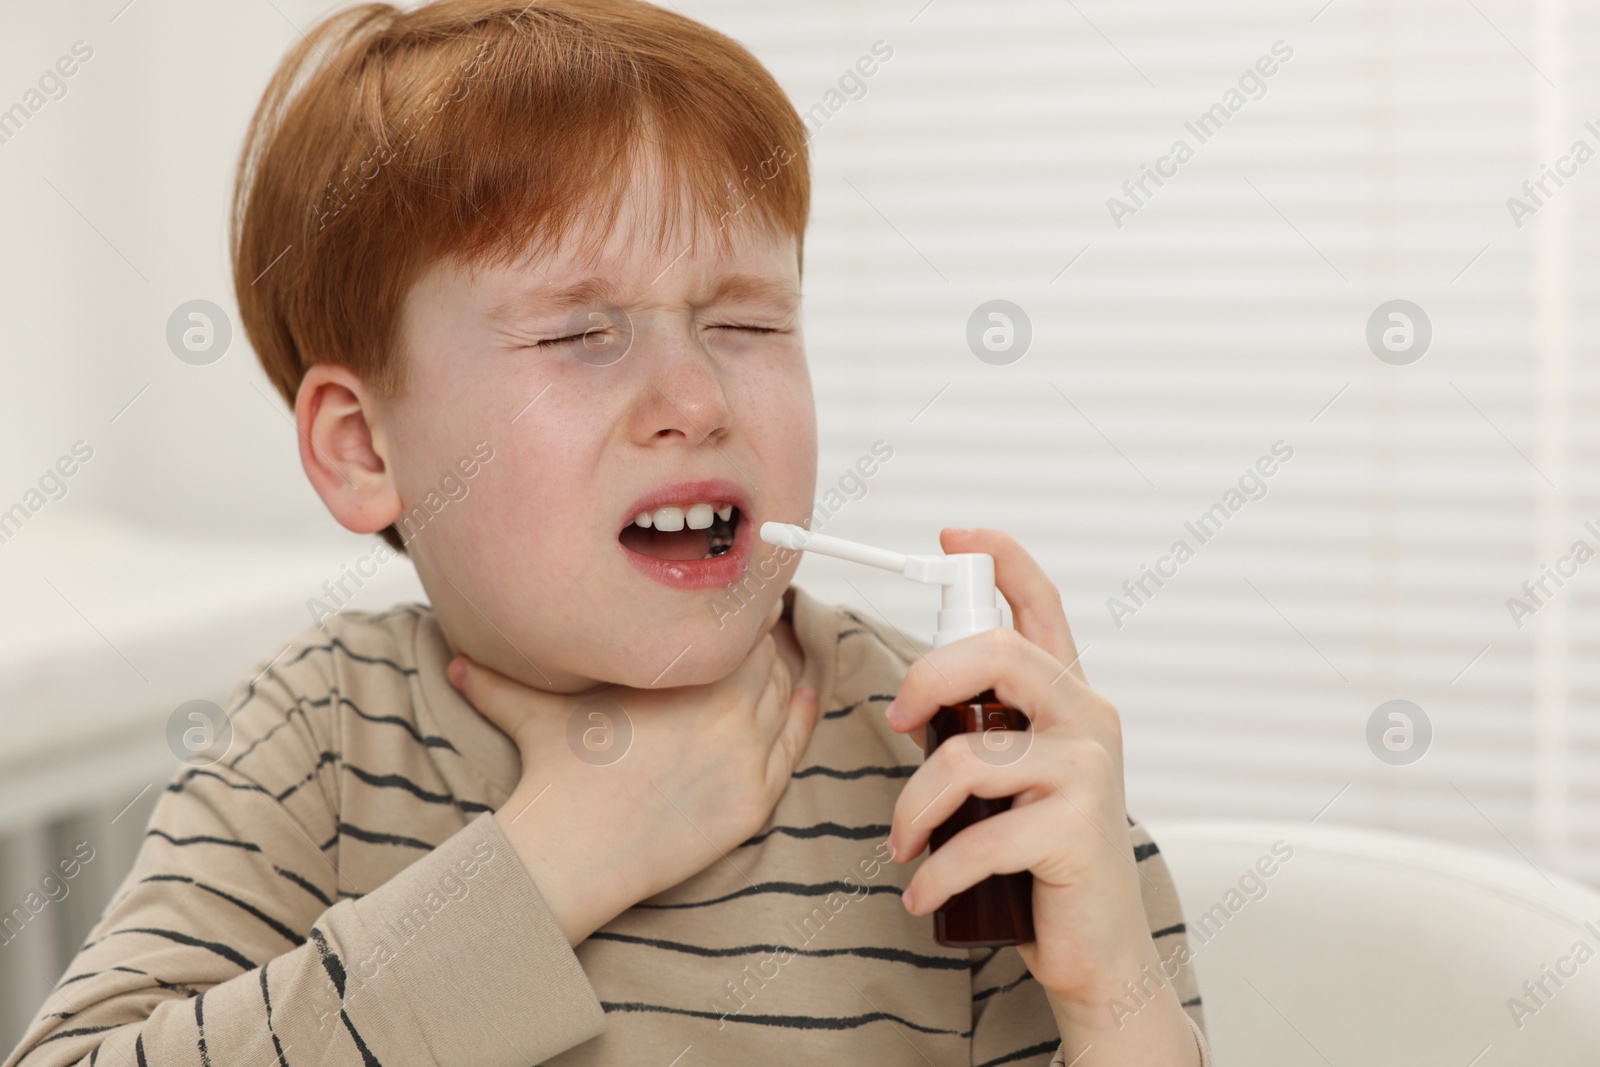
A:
[1001,990]
[304,884]
[181,783]
[334,643]
[822,829]
[400,781]
[77,1031]
[376,837]
[203,839]
[334,966]
[795,889]
[177,987]
[839,713]
[214,947]
[200,1028]
[278,928]
[905,770]
[789,1022]
[331,962]
[425,740]
[266,1002]
[1145,851]
[1046,1047]
[367,1058]
[323,759]
[251,747]
[888,955]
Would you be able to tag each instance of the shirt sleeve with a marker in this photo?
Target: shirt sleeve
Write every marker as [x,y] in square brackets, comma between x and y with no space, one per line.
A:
[1060,1058]
[235,940]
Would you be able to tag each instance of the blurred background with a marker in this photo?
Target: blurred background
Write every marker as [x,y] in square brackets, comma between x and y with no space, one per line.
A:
[1433,461]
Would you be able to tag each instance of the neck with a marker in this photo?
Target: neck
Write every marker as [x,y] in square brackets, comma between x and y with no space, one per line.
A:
[789,649]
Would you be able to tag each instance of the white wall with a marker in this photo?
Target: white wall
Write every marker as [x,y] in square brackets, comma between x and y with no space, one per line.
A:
[116,207]
[1229,313]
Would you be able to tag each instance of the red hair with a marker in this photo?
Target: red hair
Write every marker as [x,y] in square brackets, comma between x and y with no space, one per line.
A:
[478,130]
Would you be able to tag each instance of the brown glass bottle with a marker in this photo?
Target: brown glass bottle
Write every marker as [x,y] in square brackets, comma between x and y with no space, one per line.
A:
[997,911]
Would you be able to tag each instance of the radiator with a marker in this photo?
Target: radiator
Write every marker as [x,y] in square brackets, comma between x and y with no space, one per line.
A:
[69,831]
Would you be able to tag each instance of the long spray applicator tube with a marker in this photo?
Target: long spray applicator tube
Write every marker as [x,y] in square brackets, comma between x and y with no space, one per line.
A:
[997,911]
[786,536]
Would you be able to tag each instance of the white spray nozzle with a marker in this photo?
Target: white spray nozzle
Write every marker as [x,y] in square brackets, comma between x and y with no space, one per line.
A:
[967,578]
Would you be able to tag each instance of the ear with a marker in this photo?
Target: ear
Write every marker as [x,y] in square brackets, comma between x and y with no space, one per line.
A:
[342,448]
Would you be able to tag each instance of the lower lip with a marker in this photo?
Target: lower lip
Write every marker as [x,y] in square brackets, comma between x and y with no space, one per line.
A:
[716,572]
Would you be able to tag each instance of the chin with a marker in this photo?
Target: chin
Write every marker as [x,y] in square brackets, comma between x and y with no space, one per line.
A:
[699,650]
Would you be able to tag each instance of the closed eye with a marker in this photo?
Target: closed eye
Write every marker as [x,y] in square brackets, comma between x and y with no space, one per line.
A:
[555,341]
[552,342]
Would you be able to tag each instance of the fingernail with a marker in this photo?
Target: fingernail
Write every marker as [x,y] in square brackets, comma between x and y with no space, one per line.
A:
[888,712]
[805,692]
[909,901]
[455,672]
[959,531]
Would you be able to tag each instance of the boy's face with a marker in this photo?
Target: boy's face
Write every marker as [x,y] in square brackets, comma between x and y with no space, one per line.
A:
[610,381]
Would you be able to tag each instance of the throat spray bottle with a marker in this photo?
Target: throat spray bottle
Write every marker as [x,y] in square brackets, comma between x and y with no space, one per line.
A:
[997,911]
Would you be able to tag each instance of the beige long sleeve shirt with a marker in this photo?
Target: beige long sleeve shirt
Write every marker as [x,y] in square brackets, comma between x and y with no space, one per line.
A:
[333,891]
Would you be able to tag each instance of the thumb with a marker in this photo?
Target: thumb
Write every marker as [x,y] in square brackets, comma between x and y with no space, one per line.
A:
[772,618]
[795,735]
[503,702]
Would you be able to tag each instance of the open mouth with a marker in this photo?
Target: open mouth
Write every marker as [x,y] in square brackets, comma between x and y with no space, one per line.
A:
[680,533]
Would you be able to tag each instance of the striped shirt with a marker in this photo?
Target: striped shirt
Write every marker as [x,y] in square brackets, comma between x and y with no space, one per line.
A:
[333,891]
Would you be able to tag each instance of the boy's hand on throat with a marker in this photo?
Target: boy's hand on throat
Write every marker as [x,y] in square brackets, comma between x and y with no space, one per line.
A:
[702,769]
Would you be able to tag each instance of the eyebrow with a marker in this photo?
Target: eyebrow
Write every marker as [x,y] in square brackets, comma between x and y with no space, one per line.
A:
[754,287]
[539,301]
[601,290]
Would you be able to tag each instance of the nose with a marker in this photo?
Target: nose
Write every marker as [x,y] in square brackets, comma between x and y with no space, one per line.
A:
[683,396]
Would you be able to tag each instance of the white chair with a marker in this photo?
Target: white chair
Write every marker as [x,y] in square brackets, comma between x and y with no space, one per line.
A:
[1365,949]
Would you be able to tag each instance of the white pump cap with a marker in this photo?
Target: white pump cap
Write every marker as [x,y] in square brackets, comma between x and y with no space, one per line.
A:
[967,578]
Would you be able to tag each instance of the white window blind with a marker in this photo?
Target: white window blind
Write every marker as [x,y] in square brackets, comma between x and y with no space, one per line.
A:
[1226,313]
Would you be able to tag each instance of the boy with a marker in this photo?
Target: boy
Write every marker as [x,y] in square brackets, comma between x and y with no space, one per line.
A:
[580,811]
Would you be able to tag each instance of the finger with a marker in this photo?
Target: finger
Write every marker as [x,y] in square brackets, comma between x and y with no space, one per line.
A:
[1021,674]
[1013,841]
[774,614]
[771,702]
[753,674]
[505,703]
[799,722]
[1035,601]
[1028,766]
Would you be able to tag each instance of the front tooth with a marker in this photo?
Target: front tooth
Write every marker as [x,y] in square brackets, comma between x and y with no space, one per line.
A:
[669,520]
[725,512]
[643,519]
[699,517]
